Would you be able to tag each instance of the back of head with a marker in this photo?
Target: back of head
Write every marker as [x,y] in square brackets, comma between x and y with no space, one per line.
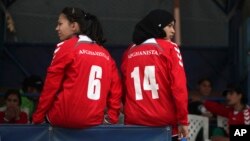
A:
[238,89]
[88,23]
[32,81]
[151,26]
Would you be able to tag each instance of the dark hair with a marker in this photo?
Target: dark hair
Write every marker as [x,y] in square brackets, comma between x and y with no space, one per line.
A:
[238,89]
[13,92]
[205,79]
[89,24]
[34,81]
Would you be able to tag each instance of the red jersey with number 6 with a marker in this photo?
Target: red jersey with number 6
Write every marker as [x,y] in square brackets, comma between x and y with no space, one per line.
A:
[81,82]
[155,83]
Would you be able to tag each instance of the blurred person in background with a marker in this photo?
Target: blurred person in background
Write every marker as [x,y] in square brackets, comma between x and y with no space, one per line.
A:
[195,106]
[236,111]
[11,113]
[82,79]
[204,91]
[31,89]
[154,76]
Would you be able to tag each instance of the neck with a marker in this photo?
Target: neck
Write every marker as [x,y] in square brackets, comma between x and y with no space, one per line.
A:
[239,107]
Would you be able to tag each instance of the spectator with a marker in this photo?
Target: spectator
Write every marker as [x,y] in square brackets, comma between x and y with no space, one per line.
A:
[195,105]
[236,110]
[82,79]
[12,112]
[204,91]
[154,76]
[31,89]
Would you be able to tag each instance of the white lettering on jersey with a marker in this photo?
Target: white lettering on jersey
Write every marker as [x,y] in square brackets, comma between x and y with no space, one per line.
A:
[144,52]
[149,82]
[94,53]
[94,84]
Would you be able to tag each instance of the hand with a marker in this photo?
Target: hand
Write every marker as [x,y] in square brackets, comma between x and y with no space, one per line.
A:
[183,131]
[11,113]
[106,120]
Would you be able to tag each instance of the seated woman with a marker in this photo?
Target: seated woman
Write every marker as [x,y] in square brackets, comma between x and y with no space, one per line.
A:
[236,111]
[204,91]
[12,113]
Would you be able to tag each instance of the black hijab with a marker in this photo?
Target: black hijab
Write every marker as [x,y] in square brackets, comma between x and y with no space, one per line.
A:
[152,26]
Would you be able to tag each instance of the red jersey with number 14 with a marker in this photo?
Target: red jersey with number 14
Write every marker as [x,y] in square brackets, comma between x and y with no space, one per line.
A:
[155,83]
[81,82]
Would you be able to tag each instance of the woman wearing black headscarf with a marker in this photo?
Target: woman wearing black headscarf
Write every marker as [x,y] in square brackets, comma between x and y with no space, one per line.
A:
[154,76]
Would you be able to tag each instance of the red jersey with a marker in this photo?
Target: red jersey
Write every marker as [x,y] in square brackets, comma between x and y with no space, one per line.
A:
[234,117]
[155,83]
[22,119]
[81,82]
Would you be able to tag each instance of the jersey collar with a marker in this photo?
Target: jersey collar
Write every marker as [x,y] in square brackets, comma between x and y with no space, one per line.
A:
[150,41]
[84,38]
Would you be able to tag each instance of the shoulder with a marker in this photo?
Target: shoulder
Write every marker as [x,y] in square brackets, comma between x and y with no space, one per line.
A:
[99,48]
[105,51]
[68,42]
[169,46]
[66,45]
[247,109]
[166,43]
[103,48]
[131,46]
[246,114]
[23,114]
[173,47]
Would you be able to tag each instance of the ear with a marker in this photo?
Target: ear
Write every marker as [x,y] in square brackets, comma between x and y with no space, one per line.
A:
[75,27]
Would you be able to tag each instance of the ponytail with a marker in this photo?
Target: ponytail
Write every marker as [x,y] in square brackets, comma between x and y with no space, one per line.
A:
[93,29]
[88,23]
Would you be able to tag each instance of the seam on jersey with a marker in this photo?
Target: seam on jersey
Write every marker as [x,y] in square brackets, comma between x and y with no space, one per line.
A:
[86,42]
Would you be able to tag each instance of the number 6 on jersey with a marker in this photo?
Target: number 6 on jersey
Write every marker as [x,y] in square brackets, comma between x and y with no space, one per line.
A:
[149,82]
[94,85]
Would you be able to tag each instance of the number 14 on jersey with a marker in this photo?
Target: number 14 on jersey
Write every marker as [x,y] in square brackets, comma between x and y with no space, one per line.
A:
[149,82]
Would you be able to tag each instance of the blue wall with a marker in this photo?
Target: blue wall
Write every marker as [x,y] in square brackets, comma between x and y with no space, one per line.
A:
[203,23]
